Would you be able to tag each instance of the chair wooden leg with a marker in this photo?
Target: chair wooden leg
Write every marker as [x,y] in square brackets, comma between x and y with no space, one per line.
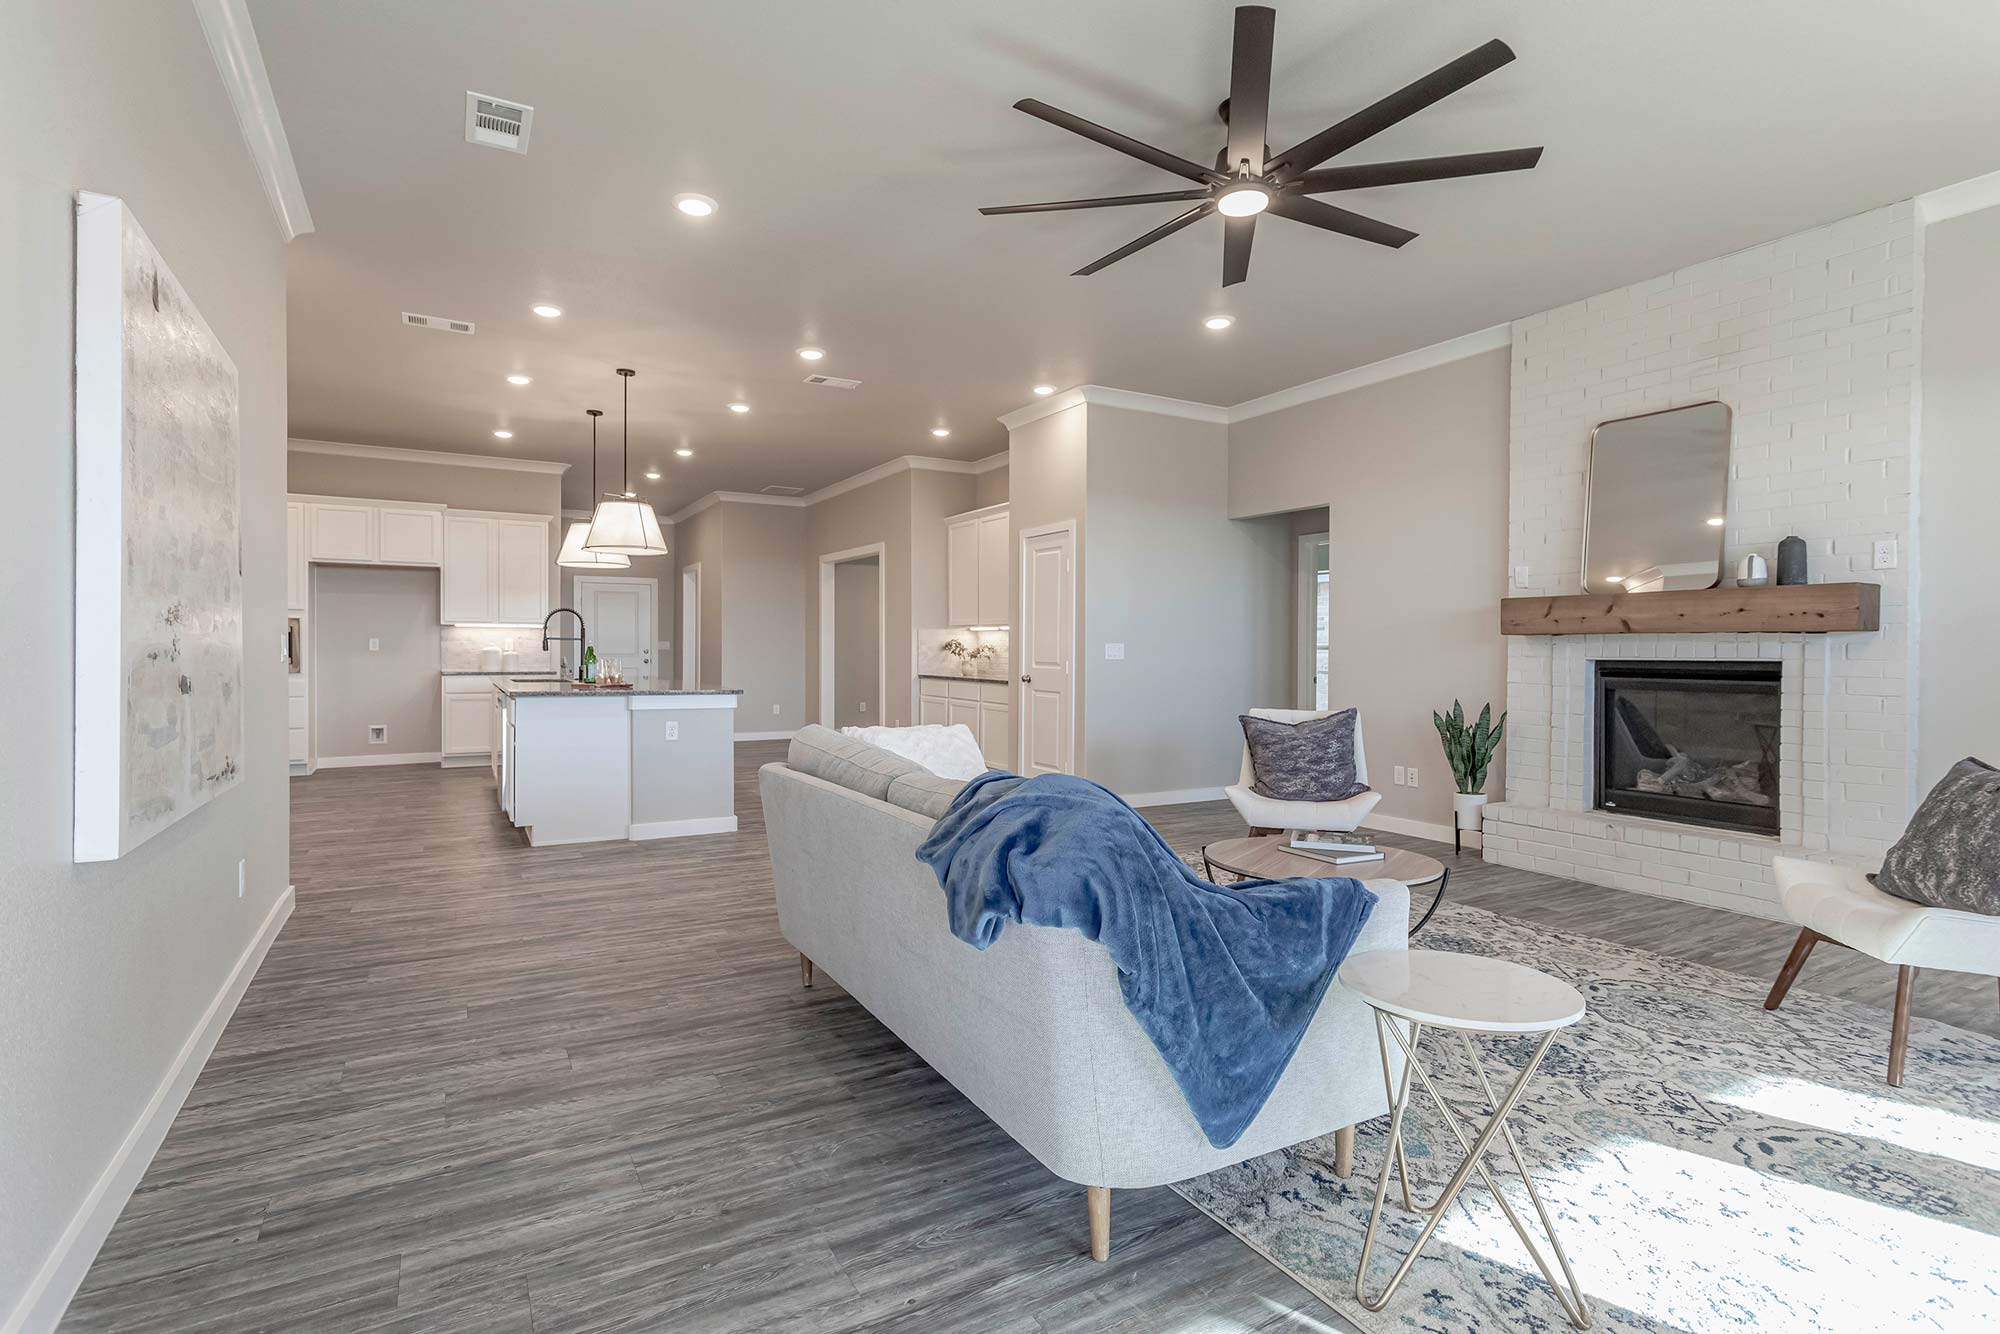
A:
[1343,1152]
[1899,1031]
[1793,962]
[1098,1198]
[805,971]
[1262,831]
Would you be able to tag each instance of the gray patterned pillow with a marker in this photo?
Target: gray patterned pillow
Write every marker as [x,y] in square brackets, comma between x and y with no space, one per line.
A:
[1949,857]
[1308,761]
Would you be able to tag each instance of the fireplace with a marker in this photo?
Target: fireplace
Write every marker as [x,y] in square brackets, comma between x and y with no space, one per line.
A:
[1693,742]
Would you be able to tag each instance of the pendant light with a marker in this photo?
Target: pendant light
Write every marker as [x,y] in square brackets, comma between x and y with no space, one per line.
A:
[573,555]
[624,524]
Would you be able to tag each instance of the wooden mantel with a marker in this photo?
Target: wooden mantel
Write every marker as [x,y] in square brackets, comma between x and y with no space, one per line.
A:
[1778,609]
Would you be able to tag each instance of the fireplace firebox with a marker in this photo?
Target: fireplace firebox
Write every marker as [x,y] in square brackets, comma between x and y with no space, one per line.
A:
[1693,742]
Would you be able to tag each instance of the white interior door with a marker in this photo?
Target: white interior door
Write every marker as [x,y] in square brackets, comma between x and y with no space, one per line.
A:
[1314,618]
[619,615]
[1047,652]
[691,628]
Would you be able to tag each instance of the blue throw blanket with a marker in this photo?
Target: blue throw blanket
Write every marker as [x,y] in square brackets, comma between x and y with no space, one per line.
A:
[1223,978]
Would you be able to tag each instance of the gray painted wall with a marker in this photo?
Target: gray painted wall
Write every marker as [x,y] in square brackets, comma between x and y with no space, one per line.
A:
[990,488]
[857,632]
[1045,466]
[106,969]
[1958,711]
[763,614]
[397,685]
[1201,603]
[878,512]
[698,541]
[1414,471]
[690,778]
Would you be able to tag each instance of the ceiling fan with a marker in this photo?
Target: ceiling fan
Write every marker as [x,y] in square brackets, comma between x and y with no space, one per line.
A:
[1248,179]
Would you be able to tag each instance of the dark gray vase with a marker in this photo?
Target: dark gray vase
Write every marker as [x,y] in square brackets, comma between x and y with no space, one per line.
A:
[1792,561]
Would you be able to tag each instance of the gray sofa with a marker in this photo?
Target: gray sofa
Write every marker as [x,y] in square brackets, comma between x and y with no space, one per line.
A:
[1032,1030]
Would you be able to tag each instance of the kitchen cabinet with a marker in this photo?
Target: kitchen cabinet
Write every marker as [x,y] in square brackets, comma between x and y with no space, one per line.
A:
[496,569]
[295,555]
[409,536]
[468,716]
[978,583]
[298,719]
[982,706]
[340,532]
[523,562]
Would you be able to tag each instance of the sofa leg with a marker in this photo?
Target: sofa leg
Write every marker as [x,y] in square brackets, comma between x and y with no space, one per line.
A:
[1899,1031]
[1343,1152]
[1793,963]
[1099,1200]
[805,971]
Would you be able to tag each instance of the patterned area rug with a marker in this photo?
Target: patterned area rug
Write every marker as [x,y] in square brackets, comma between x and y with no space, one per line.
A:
[1710,1166]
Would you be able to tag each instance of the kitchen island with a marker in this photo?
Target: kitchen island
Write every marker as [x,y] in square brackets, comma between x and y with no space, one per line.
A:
[577,764]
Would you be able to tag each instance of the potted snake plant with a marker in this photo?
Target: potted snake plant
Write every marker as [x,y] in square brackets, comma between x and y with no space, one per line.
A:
[1469,750]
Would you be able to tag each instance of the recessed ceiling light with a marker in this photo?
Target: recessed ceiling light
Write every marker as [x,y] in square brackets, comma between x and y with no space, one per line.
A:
[1614,578]
[548,312]
[1243,202]
[520,379]
[739,407]
[652,474]
[695,206]
[684,453]
[503,435]
[811,353]
[1716,522]
[1044,390]
[940,431]
[1217,323]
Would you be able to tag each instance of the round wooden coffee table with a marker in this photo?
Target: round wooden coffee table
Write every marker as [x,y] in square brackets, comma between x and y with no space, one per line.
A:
[1269,858]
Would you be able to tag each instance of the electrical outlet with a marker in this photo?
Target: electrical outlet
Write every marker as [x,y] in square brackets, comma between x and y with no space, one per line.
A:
[378,734]
[1413,775]
[1885,553]
[1401,776]
[1114,653]
[242,876]
[863,706]
[374,646]
[673,731]
[776,709]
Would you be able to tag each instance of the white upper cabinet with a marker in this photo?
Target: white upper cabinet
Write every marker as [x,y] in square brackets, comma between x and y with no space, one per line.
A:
[409,536]
[295,555]
[496,569]
[978,586]
[340,531]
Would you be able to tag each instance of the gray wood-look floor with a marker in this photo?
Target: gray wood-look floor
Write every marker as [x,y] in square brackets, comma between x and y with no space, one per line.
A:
[482,1086]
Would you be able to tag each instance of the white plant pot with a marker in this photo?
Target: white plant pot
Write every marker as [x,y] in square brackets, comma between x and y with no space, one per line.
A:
[1469,809]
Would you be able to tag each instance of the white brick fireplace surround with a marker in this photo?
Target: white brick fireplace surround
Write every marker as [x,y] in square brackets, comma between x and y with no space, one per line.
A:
[1812,340]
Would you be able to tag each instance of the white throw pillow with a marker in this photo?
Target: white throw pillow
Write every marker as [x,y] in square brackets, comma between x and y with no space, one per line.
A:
[947,751]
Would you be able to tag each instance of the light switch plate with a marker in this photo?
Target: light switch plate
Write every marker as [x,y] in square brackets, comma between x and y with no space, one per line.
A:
[1885,553]
[1114,653]
[1401,776]
[1521,576]
[374,646]
[863,706]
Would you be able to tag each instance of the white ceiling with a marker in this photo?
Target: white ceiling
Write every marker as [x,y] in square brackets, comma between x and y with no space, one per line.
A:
[849,145]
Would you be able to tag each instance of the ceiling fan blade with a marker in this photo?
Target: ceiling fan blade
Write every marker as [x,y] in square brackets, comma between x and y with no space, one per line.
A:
[1315,214]
[1109,201]
[1250,87]
[1237,233]
[1124,143]
[1405,102]
[1416,169]
[1165,229]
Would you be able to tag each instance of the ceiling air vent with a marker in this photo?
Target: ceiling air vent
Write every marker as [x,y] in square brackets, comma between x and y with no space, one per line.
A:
[437,322]
[832,382]
[497,124]
[784,490]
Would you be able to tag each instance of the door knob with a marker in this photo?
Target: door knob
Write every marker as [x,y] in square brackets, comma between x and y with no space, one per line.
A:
[1027,680]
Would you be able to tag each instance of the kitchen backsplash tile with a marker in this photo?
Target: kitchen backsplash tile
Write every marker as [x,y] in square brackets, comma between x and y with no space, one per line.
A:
[459,647]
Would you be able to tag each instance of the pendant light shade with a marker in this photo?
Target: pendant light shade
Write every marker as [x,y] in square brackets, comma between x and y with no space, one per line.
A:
[573,556]
[623,524]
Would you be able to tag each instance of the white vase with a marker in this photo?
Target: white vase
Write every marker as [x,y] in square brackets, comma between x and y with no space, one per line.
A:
[1468,809]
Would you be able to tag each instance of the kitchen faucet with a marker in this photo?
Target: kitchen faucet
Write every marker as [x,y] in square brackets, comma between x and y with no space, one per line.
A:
[577,638]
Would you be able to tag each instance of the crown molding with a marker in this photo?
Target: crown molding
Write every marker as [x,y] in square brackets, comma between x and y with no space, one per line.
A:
[1953,200]
[1389,368]
[340,449]
[990,462]
[907,463]
[735,498]
[232,41]
[1105,396]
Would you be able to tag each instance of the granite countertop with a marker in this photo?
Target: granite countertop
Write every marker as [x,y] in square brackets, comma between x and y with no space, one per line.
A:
[961,676]
[527,686]
[523,675]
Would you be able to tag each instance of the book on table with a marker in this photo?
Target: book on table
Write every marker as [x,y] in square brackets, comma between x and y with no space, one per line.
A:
[1339,858]
[1321,844]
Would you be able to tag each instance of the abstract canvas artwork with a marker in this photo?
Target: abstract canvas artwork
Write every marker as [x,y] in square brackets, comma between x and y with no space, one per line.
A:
[159,577]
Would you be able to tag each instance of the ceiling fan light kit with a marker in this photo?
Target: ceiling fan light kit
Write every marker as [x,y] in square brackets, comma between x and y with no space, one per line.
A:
[1248,180]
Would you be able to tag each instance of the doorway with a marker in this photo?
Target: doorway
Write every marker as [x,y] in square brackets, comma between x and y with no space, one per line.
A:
[1313,619]
[1048,650]
[853,637]
[620,614]
[691,627]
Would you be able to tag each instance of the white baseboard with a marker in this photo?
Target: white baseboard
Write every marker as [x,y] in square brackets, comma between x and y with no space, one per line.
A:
[1396,824]
[765,736]
[478,761]
[374,761]
[1178,798]
[713,824]
[48,1295]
